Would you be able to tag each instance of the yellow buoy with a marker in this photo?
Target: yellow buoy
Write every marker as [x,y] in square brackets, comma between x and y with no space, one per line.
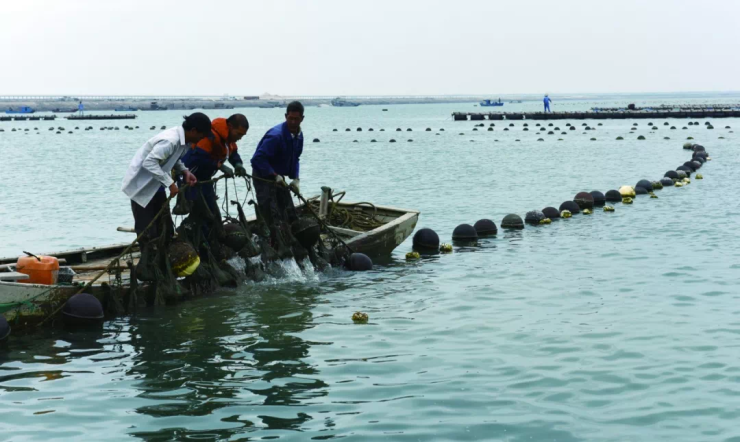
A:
[699,176]
[587,211]
[565,214]
[608,209]
[687,180]
[360,317]
[412,256]
[626,200]
[653,196]
[627,191]
[678,184]
[445,248]
[545,221]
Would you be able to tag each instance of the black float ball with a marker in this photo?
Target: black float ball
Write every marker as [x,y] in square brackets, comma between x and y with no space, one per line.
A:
[426,239]
[485,227]
[599,199]
[512,221]
[698,148]
[83,308]
[572,128]
[316,140]
[584,200]
[551,212]
[464,232]
[682,174]
[671,174]
[665,181]
[534,217]
[641,190]
[645,184]
[690,165]
[4,329]
[359,262]
[697,164]
[613,196]
[686,170]
[571,206]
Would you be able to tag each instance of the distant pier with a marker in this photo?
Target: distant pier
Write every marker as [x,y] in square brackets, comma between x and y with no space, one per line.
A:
[27,117]
[600,115]
[102,117]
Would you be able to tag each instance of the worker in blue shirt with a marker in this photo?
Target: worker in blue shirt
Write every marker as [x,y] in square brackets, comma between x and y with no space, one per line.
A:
[547,102]
[277,156]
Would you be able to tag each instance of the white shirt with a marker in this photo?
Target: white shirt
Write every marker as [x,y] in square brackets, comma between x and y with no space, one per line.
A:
[153,163]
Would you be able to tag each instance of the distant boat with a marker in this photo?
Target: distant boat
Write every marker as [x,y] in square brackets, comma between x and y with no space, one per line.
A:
[515,101]
[340,102]
[153,106]
[20,110]
[126,109]
[59,111]
[492,103]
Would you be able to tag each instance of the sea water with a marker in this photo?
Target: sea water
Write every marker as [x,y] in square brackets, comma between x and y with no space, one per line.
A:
[609,327]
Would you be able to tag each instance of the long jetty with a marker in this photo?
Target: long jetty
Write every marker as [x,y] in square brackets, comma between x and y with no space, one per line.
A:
[27,117]
[102,117]
[609,115]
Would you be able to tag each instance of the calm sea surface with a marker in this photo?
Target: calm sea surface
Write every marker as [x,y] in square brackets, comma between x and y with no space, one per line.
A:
[611,327]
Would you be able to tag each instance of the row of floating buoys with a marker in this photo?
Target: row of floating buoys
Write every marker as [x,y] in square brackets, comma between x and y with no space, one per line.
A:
[427,240]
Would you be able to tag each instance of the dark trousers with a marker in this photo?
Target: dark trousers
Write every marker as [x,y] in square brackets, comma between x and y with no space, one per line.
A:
[144,215]
[274,202]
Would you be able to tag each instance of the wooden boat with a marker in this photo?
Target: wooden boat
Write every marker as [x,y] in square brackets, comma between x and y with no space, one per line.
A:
[33,302]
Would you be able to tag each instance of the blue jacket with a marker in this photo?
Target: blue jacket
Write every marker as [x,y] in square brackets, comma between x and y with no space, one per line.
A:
[278,153]
[202,164]
[546,100]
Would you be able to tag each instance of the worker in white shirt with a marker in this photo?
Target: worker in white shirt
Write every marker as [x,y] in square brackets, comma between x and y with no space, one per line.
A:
[150,171]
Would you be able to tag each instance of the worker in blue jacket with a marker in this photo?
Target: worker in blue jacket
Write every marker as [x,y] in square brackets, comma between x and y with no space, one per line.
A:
[547,102]
[277,156]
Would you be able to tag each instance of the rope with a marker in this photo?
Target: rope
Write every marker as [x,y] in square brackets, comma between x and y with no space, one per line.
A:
[166,205]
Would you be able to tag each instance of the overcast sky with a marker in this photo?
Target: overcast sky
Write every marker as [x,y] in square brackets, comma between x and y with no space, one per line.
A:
[377,47]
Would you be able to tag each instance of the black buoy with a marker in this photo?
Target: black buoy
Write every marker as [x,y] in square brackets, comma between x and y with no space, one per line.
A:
[359,262]
[464,233]
[83,309]
[671,174]
[682,174]
[665,181]
[534,217]
[4,329]
[426,239]
[551,212]
[392,140]
[512,221]
[408,130]
[641,191]
[316,140]
[698,148]
[572,128]
[163,128]
[359,129]
[599,199]
[690,165]
[334,130]
[613,196]
[348,130]
[571,206]
[697,164]
[584,200]
[485,227]
[645,184]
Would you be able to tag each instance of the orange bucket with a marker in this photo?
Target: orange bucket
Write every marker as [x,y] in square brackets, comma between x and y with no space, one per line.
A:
[43,272]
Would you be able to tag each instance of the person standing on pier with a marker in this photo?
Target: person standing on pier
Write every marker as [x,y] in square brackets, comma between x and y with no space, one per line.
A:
[277,156]
[547,102]
[149,172]
[207,157]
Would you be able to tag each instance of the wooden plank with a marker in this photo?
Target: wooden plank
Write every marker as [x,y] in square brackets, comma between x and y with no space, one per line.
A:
[13,276]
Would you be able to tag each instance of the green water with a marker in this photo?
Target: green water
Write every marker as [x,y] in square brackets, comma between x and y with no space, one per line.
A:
[610,327]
